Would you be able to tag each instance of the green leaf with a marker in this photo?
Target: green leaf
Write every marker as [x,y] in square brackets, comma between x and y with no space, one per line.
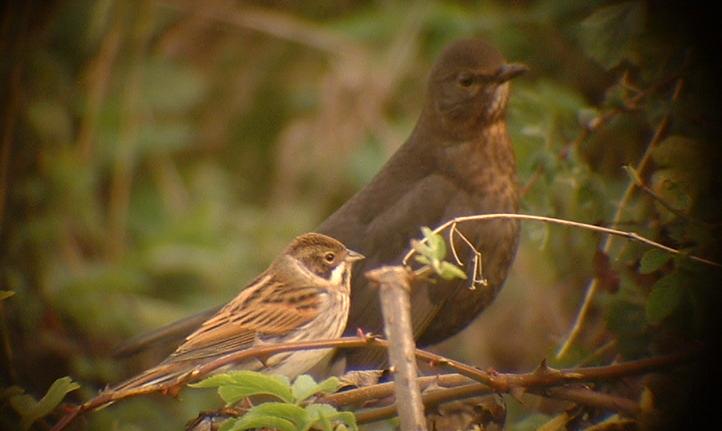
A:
[436,243]
[423,249]
[329,386]
[304,387]
[323,414]
[290,412]
[449,271]
[666,296]
[652,260]
[236,385]
[315,410]
[31,410]
[260,422]
[5,294]
[349,419]
[608,33]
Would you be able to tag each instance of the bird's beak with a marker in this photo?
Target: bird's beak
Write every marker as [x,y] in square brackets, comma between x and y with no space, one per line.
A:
[352,256]
[509,71]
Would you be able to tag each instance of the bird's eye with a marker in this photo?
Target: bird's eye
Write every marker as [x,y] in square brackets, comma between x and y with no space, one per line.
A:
[465,80]
[329,257]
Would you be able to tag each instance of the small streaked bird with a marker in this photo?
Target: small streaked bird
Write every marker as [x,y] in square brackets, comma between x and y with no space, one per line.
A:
[303,295]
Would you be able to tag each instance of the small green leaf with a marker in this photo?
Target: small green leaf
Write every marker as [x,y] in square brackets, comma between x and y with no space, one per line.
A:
[323,414]
[5,294]
[329,386]
[236,385]
[303,387]
[666,296]
[349,419]
[427,232]
[449,271]
[260,422]
[422,259]
[422,248]
[31,410]
[316,410]
[652,260]
[290,412]
[436,244]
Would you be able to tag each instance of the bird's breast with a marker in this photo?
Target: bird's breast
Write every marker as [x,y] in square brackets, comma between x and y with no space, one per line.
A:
[483,166]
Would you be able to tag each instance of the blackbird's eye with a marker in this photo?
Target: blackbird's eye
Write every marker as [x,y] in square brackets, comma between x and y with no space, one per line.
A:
[465,79]
[329,257]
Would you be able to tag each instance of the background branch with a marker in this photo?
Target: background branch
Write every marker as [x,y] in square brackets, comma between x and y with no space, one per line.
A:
[641,169]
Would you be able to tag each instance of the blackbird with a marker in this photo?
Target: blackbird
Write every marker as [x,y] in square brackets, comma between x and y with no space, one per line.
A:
[458,161]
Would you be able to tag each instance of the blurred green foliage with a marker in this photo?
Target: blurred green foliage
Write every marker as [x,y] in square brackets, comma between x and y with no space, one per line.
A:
[157,154]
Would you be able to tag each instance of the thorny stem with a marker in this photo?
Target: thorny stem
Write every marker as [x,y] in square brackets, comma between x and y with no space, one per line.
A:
[542,377]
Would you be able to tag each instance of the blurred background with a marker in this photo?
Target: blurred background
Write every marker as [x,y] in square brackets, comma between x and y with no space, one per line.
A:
[157,154]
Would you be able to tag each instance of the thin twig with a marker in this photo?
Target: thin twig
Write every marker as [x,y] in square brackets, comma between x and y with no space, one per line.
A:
[478,269]
[527,217]
[394,288]
[595,399]
[452,245]
[581,396]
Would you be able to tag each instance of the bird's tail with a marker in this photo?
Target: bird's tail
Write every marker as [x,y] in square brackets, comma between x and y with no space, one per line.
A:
[159,374]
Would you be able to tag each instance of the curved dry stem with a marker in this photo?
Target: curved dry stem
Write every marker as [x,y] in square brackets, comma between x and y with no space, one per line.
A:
[609,231]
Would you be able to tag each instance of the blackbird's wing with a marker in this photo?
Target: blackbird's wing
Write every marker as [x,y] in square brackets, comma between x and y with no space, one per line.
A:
[167,337]
[381,231]
[267,308]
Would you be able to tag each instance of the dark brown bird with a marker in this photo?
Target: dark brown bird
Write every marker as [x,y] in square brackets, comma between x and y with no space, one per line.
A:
[458,161]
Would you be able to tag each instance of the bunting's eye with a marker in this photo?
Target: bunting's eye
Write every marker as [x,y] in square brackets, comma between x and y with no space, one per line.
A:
[329,257]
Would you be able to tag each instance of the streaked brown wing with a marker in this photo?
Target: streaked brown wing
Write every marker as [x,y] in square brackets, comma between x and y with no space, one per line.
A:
[268,307]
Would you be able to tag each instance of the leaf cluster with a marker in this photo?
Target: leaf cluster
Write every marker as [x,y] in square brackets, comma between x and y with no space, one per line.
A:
[294,410]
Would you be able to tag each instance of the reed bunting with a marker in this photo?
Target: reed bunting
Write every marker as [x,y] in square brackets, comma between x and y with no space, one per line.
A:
[303,295]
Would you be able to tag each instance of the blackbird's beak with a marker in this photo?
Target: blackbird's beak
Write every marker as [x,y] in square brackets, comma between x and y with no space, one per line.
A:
[352,256]
[509,71]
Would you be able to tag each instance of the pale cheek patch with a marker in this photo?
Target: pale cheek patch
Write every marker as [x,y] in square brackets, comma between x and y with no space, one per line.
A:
[498,100]
[337,275]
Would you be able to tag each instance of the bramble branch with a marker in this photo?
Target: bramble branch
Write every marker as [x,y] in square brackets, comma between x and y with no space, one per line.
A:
[489,381]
